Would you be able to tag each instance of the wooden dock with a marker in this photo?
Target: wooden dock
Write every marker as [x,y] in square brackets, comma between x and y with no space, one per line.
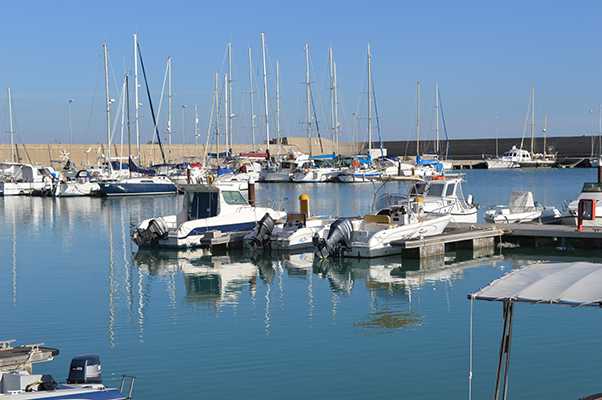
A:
[540,235]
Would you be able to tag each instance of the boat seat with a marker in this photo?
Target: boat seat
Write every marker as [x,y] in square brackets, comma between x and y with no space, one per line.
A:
[377,219]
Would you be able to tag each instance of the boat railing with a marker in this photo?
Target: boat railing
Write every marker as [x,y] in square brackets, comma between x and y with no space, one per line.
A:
[127,381]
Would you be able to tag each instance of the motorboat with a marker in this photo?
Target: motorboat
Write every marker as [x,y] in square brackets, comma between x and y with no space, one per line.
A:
[24,179]
[282,171]
[447,191]
[207,211]
[374,234]
[590,203]
[137,186]
[84,382]
[521,209]
[315,170]
[296,234]
[80,185]
[496,163]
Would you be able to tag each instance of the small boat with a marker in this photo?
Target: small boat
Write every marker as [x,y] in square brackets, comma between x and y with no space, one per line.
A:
[283,170]
[24,179]
[315,170]
[80,185]
[573,285]
[296,234]
[521,209]
[373,235]
[208,211]
[447,191]
[18,382]
[142,186]
[590,202]
[496,163]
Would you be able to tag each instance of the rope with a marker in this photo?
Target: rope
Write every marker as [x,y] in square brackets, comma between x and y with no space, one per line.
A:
[470,349]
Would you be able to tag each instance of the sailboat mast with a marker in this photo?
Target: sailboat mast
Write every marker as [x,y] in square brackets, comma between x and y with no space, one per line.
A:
[196,124]
[278,102]
[369,101]
[308,99]
[136,96]
[169,100]
[251,96]
[129,131]
[13,155]
[600,132]
[336,107]
[230,113]
[216,97]
[265,92]
[107,100]
[545,133]
[417,118]
[227,112]
[532,118]
[436,117]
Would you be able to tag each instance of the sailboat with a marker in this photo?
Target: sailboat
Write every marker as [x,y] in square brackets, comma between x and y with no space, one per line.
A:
[132,185]
[359,170]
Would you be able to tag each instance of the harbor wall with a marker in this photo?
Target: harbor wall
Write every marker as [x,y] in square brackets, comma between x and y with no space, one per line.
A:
[567,147]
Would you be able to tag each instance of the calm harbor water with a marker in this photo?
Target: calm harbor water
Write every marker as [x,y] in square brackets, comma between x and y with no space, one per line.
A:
[238,325]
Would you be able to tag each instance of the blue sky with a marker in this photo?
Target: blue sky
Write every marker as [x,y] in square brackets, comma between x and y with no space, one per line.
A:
[484,55]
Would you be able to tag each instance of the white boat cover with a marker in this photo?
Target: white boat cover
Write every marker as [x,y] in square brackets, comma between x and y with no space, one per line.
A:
[575,284]
[521,201]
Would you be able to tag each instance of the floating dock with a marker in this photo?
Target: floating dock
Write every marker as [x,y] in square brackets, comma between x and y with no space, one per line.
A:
[540,235]
[482,240]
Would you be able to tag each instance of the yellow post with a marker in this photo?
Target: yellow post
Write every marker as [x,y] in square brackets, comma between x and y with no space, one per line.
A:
[304,205]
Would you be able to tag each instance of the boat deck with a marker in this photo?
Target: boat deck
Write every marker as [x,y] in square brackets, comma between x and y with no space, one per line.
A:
[11,357]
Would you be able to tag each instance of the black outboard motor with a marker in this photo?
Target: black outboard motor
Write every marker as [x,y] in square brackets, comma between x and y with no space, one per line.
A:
[339,238]
[265,227]
[85,369]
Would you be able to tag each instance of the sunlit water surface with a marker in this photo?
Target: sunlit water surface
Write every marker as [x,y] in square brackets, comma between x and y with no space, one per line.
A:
[235,326]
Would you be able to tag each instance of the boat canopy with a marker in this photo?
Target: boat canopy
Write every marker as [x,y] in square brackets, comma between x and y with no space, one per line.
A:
[574,284]
[324,157]
[521,201]
[436,164]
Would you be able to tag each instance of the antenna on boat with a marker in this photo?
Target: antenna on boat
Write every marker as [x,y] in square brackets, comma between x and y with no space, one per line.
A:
[265,92]
[251,96]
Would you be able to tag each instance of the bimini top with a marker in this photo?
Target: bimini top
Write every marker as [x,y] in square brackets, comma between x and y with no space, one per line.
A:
[575,284]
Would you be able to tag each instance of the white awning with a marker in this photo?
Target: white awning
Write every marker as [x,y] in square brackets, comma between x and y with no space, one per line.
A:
[576,284]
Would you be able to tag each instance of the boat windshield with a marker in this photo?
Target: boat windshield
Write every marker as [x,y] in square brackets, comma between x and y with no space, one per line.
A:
[234,198]
[592,187]
[201,205]
[387,200]
[435,190]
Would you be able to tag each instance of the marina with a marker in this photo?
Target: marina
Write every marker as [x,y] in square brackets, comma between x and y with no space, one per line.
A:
[323,200]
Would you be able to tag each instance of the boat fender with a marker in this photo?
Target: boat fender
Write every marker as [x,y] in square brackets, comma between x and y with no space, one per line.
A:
[339,238]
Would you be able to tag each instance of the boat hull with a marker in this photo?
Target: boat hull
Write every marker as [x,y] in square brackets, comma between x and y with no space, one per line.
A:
[110,189]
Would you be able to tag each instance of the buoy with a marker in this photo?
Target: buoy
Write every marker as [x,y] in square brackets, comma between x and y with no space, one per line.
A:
[304,205]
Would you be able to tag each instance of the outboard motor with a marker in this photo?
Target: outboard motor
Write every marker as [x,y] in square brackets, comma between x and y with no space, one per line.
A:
[85,369]
[157,229]
[339,238]
[264,230]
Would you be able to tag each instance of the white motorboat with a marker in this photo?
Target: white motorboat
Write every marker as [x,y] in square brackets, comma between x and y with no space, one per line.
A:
[24,179]
[80,186]
[590,199]
[363,174]
[315,171]
[208,211]
[282,171]
[296,234]
[521,209]
[372,235]
[447,191]
[84,382]
[496,163]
